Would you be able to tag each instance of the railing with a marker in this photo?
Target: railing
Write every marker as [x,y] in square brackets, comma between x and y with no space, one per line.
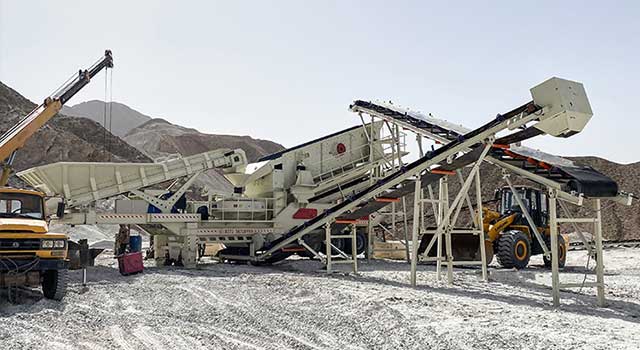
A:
[356,157]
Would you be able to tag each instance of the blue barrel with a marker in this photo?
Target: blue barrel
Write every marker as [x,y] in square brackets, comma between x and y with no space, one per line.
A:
[135,243]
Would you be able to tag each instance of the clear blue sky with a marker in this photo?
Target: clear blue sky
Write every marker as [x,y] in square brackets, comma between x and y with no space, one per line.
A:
[287,70]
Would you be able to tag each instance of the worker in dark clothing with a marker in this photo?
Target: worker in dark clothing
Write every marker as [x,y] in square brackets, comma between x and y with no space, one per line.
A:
[122,239]
[202,248]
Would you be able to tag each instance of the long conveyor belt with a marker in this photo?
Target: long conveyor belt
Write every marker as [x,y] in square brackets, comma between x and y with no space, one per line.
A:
[429,178]
[570,176]
[397,181]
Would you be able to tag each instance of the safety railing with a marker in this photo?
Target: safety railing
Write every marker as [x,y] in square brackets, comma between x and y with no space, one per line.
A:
[355,158]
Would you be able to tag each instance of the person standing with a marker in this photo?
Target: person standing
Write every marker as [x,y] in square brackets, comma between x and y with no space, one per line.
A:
[122,239]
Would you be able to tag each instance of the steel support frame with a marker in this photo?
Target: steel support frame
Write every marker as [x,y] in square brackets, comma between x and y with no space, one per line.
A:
[329,261]
[527,215]
[512,123]
[395,156]
[554,220]
[165,205]
[446,220]
[576,199]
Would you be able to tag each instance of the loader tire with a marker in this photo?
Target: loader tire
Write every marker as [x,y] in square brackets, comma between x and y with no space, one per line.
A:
[514,250]
[54,284]
[562,248]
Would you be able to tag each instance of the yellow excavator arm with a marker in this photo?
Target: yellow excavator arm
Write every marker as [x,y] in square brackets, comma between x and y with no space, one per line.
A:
[14,138]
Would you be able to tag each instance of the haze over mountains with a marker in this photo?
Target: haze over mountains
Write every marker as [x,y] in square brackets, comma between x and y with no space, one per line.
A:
[123,118]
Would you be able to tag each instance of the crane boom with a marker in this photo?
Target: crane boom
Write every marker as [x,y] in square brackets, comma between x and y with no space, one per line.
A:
[14,138]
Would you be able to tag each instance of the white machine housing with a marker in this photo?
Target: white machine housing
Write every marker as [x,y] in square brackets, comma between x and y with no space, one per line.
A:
[566,106]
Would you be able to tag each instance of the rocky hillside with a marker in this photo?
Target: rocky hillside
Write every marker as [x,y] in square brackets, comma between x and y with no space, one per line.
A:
[158,138]
[122,120]
[620,221]
[63,138]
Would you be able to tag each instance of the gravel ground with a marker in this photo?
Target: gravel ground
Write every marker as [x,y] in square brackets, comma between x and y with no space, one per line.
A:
[295,306]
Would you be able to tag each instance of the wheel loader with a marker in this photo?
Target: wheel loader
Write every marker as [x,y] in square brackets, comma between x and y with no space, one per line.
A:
[508,235]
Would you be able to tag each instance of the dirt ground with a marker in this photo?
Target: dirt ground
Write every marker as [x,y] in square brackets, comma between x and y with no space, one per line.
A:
[295,306]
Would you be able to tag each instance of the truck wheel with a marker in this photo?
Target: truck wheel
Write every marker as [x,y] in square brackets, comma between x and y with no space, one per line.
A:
[562,248]
[54,284]
[514,250]
[361,243]
[338,243]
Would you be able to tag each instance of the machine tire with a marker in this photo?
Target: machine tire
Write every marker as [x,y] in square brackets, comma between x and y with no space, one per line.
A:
[338,243]
[54,284]
[562,257]
[514,250]
[361,243]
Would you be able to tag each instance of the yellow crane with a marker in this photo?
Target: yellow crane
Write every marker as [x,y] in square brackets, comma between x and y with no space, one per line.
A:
[30,255]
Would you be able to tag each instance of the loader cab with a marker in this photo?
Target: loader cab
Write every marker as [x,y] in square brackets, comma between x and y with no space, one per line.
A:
[534,200]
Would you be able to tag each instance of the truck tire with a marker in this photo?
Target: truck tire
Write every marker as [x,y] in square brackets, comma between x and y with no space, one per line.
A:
[562,256]
[514,250]
[361,243]
[54,284]
[338,243]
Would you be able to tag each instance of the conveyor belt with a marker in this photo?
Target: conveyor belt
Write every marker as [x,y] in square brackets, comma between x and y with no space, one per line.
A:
[397,183]
[80,183]
[571,176]
[408,186]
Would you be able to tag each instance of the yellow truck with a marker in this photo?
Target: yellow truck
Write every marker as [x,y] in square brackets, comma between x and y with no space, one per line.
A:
[29,254]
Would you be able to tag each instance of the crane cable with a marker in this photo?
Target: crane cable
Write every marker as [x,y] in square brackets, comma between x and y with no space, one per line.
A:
[104,118]
[110,104]
[108,97]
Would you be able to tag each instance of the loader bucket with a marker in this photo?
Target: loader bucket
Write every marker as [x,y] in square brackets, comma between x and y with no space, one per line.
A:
[464,247]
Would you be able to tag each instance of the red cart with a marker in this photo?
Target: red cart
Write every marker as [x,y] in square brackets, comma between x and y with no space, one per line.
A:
[130,263]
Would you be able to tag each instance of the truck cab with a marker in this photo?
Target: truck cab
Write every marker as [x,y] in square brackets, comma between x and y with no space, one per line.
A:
[29,254]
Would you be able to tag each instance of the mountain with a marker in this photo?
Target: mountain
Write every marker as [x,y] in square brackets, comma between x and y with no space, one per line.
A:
[63,138]
[68,138]
[158,138]
[619,221]
[123,118]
